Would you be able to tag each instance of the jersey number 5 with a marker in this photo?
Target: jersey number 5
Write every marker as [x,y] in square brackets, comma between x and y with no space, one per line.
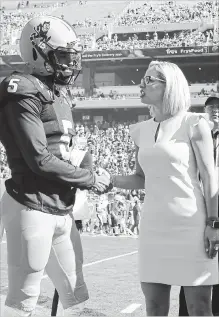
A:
[13,86]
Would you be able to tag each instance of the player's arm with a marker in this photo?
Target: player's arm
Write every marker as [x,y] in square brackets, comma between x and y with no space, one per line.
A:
[23,117]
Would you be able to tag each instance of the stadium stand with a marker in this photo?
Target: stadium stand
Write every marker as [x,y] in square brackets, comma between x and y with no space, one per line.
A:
[86,14]
[96,24]
[12,21]
[152,40]
[104,91]
[167,12]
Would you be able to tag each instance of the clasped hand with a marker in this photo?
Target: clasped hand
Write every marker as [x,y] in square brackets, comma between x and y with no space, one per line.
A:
[102,182]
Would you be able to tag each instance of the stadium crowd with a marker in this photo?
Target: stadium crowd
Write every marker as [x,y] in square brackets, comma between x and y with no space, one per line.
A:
[112,149]
[114,214]
[11,23]
[154,40]
[79,94]
[4,169]
[168,12]
[99,95]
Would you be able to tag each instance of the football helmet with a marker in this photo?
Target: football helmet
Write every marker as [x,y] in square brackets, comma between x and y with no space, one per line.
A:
[50,46]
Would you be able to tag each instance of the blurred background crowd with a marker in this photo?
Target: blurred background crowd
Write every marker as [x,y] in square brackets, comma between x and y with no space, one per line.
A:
[111,94]
[168,12]
[112,148]
[139,13]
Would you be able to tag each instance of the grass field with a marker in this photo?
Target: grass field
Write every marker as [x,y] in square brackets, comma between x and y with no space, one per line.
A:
[110,269]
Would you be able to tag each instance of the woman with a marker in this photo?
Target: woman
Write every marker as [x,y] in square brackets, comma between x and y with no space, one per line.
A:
[177,244]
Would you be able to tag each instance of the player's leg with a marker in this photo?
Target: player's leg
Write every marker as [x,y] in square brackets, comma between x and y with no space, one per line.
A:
[157,298]
[29,238]
[198,299]
[65,265]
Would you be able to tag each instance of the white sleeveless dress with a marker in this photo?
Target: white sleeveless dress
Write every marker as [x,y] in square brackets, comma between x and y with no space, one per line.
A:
[171,241]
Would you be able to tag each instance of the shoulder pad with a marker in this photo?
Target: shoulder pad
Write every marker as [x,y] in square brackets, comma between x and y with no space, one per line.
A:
[27,86]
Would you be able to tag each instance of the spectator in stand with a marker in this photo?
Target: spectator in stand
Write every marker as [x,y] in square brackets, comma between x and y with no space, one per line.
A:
[102,214]
[155,40]
[130,220]
[136,215]
[114,222]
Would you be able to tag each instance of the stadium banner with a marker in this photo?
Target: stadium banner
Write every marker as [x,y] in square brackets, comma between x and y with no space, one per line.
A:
[146,53]
[13,60]
[187,50]
[105,54]
[214,49]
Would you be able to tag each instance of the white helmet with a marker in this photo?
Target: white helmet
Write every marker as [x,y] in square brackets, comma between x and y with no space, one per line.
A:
[50,46]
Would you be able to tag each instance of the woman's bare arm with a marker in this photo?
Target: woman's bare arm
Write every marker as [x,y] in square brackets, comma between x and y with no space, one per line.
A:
[135,181]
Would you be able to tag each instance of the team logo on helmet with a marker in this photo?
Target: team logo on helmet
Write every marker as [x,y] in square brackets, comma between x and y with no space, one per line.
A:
[40,32]
[71,44]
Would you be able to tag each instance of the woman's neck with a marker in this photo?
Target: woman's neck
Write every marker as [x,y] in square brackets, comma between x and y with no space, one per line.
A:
[159,117]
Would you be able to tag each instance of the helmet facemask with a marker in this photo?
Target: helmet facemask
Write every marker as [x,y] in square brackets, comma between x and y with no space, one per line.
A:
[66,64]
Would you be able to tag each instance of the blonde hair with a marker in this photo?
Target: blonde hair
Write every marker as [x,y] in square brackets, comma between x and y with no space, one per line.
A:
[176,95]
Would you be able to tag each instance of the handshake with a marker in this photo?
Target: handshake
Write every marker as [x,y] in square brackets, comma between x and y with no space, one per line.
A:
[103,182]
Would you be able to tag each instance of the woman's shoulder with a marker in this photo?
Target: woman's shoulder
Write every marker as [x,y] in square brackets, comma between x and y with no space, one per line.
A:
[193,119]
[200,120]
[140,124]
[137,129]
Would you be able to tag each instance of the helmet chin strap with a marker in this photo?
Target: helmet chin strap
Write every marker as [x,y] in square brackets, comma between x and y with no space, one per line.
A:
[65,81]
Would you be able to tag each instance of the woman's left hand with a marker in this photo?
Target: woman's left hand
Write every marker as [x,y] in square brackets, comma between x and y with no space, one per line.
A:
[211,238]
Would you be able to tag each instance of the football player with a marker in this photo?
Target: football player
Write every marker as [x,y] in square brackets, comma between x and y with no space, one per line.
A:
[37,131]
